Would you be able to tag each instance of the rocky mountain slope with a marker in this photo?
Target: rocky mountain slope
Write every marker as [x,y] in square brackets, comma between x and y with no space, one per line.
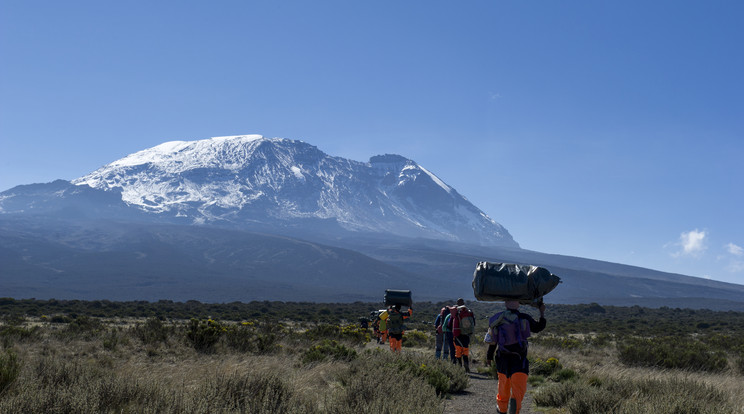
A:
[252,182]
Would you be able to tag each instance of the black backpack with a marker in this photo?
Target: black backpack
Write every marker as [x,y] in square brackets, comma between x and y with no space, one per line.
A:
[395,322]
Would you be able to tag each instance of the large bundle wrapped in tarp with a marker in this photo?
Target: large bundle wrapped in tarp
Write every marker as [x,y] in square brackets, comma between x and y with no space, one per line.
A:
[398,297]
[508,281]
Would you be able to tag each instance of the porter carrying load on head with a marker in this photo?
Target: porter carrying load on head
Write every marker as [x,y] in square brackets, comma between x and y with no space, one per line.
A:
[505,281]
[396,328]
[508,330]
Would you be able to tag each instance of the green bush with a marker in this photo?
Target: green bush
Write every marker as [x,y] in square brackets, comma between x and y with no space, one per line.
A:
[328,349]
[445,377]
[350,333]
[111,340]
[544,367]
[671,352]
[564,374]
[557,394]
[60,319]
[203,335]
[258,337]
[379,382]
[535,380]
[355,334]
[608,395]
[83,326]
[591,400]
[416,338]
[263,393]
[10,367]
[12,333]
[152,331]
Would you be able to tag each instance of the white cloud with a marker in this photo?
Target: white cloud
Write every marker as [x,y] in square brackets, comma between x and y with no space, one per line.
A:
[734,249]
[692,243]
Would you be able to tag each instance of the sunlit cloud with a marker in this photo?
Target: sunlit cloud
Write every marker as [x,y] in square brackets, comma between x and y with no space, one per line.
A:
[734,249]
[692,243]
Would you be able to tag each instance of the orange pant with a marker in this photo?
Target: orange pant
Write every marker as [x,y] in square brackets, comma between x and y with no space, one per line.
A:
[395,344]
[383,336]
[461,350]
[514,388]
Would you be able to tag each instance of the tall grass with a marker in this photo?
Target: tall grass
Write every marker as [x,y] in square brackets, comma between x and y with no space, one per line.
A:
[605,385]
[85,364]
[198,367]
[9,369]
[635,395]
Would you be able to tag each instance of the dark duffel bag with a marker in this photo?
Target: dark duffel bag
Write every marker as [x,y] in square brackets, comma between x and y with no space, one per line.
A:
[398,297]
[507,281]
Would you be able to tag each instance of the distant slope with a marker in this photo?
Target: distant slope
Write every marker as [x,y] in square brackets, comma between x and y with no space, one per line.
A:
[106,260]
[584,280]
[44,257]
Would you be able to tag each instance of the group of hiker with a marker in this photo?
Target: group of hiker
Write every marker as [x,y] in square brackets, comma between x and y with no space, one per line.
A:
[507,339]
[453,327]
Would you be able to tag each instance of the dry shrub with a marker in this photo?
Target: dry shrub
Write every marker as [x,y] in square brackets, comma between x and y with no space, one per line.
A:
[381,382]
[671,352]
[81,374]
[652,396]
[10,367]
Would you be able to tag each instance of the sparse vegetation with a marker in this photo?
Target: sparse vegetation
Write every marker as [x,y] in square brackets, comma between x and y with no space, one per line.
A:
[9,369]
[76,356]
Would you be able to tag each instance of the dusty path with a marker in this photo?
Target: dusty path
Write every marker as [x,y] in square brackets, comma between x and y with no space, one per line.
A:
[480,398]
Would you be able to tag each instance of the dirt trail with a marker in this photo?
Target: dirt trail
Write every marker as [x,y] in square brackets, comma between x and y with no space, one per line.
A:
[480,398]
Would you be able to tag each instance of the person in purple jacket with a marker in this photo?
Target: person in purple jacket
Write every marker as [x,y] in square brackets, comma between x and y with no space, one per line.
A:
[507,337]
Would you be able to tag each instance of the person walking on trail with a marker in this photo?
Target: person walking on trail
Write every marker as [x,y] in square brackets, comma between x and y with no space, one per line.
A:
[441,349]
[463,326]
[449,344]
[445,326]
[395,326]
[376,326]
[507,336]
[382,326]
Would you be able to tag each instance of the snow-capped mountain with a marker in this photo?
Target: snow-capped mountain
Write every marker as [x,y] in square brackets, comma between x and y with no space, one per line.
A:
[250,180]
[282,221]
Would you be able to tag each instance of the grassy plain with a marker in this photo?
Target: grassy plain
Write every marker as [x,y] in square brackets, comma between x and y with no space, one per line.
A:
[275,357]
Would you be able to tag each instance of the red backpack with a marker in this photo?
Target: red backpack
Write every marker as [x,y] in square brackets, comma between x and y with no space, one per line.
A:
[464,321]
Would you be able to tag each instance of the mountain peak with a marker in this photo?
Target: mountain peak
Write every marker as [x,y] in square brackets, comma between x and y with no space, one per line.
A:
[243,180]
[204,152]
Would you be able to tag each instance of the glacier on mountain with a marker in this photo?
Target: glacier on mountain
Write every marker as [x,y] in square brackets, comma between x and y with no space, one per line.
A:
[248,180]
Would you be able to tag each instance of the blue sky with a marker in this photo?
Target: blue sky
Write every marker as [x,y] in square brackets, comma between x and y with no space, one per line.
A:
[607,130]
